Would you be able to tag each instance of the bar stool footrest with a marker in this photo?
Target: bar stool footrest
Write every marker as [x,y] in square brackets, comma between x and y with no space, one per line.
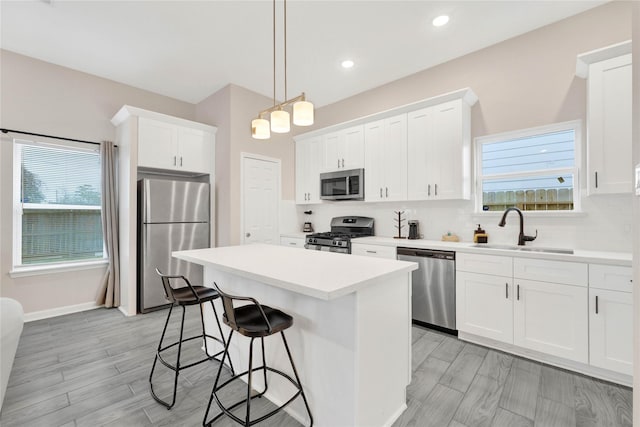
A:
[227,410]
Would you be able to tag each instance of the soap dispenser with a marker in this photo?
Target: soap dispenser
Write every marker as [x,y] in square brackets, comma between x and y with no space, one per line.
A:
[480,236]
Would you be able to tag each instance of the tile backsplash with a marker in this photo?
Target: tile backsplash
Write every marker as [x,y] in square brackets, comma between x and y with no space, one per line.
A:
[604,224]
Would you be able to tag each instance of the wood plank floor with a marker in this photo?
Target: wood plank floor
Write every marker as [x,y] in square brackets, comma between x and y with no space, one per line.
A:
[91,368]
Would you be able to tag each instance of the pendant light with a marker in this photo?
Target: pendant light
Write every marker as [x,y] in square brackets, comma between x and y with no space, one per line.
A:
[280,122]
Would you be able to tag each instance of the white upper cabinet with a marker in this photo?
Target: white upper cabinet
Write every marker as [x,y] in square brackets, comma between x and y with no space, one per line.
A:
[343,149]
[609,125]
[308,163]
[163,145]
[418,151]
[386,159]
[439,146]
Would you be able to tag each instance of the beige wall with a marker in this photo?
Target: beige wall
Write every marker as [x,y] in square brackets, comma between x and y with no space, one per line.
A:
[215,110]
[239,106]
[44,98]
[522,82]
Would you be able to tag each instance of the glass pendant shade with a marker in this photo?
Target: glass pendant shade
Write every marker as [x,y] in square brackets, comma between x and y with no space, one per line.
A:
[280,121]
[303,113]
[260,129]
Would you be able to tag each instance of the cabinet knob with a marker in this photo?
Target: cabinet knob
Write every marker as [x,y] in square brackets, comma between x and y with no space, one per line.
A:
[429,190]
[247,235]
[180,160]
[342,162]
[386,191]
[381,192]
[175,159]
[338,162]
[436,189]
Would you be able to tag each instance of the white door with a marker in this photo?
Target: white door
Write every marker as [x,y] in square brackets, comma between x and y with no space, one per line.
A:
[260,199]
[157,144]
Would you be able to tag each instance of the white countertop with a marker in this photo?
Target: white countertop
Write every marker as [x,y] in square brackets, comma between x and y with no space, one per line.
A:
[598,257]
[323,275]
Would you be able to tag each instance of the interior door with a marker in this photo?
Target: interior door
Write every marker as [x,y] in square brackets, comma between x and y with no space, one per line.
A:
[260,200]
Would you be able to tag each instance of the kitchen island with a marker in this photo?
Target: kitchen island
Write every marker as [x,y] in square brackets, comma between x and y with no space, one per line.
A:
[351,338]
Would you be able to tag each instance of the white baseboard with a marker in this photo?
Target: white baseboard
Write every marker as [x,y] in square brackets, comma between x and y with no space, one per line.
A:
[59,311]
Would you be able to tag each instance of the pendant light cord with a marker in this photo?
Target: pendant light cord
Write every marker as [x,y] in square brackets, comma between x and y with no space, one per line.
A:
[285,50]
[274,52]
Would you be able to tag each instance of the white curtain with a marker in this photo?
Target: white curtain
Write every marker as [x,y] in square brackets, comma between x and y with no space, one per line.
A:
[109,292]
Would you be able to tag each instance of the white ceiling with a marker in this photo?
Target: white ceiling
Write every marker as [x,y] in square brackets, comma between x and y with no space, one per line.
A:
[190,49]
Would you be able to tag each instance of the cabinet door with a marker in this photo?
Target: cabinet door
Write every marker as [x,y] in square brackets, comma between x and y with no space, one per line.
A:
[394,158]
[609,126]
[420,157]
[308,164]
[332,146]
[611,330]
[552,318]
[194,150]
[157,144]
[374,161]
[484,305]
[450,156]
[352,150]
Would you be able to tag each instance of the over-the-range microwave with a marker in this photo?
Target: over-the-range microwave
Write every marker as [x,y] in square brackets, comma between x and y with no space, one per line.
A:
[342,185]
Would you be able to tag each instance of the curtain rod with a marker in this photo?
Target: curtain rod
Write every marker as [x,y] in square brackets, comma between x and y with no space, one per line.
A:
[48,136]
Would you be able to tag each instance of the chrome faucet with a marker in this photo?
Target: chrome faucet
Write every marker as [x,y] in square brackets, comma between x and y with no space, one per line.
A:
[521,237]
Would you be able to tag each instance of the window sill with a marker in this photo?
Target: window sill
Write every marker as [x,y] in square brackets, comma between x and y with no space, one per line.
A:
[56,268]
[534,214]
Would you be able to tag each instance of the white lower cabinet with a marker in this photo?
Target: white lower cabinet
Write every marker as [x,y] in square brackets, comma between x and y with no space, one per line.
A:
[484,305]
[294,242]
[611,330]
[552,318]
[575,311]
[611,318]
[377,251]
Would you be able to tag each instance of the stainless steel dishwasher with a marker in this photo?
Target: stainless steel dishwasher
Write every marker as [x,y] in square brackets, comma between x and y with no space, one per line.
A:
[433,299]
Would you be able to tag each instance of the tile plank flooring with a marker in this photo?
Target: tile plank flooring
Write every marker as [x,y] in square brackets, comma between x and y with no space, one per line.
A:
[91,368]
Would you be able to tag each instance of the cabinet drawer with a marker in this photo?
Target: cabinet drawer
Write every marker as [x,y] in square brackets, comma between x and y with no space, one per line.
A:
[373,250]
[570,273]
[612,277]
[294,242]
[485,264]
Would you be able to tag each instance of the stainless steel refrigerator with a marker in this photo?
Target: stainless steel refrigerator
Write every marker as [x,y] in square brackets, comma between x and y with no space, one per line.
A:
[172,216]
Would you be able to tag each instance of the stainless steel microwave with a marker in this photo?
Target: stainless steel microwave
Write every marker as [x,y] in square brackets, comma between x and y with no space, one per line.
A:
[342,185]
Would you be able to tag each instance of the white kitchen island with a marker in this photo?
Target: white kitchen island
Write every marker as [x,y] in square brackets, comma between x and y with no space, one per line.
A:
[351,337]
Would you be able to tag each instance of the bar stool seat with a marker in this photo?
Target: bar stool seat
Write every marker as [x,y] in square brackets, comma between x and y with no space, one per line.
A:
[185,296]
[253,320]
[251,324]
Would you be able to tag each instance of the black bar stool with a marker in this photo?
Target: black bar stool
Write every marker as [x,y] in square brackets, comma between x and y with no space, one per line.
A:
[253,321]
[184,296]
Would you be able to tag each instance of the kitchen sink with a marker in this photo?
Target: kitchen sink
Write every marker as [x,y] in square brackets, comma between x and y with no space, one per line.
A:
[524,248]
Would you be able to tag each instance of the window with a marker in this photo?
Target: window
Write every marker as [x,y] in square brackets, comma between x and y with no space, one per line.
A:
[534,169]
[57,200]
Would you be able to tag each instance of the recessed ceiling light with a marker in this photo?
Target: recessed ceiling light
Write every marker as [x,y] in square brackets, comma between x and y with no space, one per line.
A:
[347,63]
[440,20]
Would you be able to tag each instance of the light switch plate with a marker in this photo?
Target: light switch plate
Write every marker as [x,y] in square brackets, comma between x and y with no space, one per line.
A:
[638,179]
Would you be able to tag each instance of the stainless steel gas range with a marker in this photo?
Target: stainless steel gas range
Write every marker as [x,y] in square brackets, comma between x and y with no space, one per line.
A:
[343,229]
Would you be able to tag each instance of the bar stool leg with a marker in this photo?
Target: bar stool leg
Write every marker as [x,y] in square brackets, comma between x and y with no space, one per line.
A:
[155,360]
[215,384]
[175,381]
[248,417]
[215,314]
[295,372]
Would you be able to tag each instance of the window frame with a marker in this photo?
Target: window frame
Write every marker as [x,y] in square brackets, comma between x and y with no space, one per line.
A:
[575,125]
[18,268]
